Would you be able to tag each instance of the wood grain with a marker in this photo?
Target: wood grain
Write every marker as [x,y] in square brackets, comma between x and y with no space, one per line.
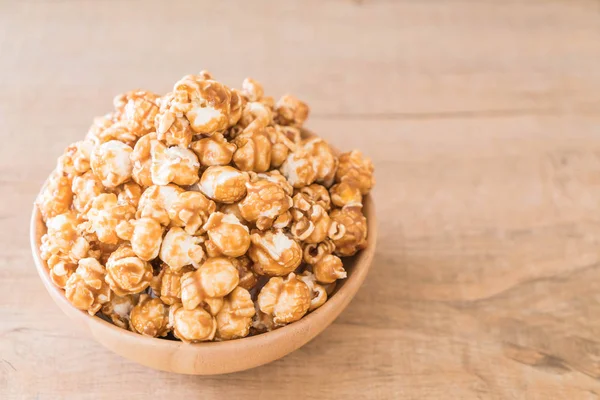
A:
[482,119]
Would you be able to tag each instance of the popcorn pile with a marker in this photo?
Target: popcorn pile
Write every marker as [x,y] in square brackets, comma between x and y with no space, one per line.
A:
[203,214]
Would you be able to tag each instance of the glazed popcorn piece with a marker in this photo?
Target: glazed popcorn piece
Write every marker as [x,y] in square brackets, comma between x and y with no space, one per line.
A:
[224,184]
[253,151]
[126,273]
[138,109]
[314,252]
[274,253]
[346,193]
[75,160]
[196,325]
[227,236]
[111,163]
[179,249]
[353,226]
[286,300]
[291,111]
[324,162]
[85,189]
[356,170]
[145,235]
[157,202]
[141,158]
[298,169]
[208,212]
[175,164]
[213,150]
[86,289]
[235,317]
[55,197]
[119,308]
[318,294]
[264,203]
[104,216]
[150,317]
[311,221]
[216,278]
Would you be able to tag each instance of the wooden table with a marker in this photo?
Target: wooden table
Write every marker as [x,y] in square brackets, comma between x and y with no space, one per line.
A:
[483,121]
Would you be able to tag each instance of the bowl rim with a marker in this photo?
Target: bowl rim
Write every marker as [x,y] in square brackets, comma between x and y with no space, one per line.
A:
[361,265]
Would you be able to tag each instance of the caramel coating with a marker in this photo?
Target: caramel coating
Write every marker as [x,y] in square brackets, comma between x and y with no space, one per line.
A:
[353,167]
[247,277]
[354,226]
[318,294]
[111,163]
[55,197]
[227,235]
[119,308]
[175,164]
[75,160]
[253,151]
[324,162]
[138,109]
[235,317]
[311,221]
[216,278]
[126,273]
[196,325]
[145,235]
[179,249]
[264,202]
[286,300]
[141,159]
[86,289]
[329,269]
[298,169]
[157,201]
[274,253]
[168,284]
[104,216]
[85,188]
[150,317]
[346,193]
[291,111]
[191,210]
[213,150]
[224,184]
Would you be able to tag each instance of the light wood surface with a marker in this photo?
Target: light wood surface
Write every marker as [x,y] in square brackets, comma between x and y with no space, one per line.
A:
[482,118]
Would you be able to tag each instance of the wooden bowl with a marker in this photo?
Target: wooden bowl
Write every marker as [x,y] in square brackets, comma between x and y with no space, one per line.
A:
[214,357]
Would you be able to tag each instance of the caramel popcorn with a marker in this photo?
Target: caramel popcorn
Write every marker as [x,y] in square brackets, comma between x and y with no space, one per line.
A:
[291,111]
[150,317]
[329,269]
[318,294]
[224,184]
[126,273]
[235,317]
[298,169]
[85,189]
[110,162]
[354,226]
[213,150]
[191,210]
[157,202]
[324,162]
[145,235]
[274,253]
[56,196]
[175,164]
[227,236]
[207,212]
[311,221]
[286,300]
[104,216]
[196,325]
[75,160]
[356,169]
[138,109]
[141,158]
[264,203]
[216,278]
[86,289]
[253,151]
[119,308]
[179,249]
